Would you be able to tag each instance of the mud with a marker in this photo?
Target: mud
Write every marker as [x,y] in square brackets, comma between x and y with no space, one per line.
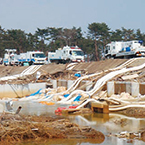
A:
[16,128]
[60,71]
[134,112]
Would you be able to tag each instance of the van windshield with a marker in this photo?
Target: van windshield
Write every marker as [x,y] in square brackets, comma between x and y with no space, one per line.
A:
[74,52]
[39,55]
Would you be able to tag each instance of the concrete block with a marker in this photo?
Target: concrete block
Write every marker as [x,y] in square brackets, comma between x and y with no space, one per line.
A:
[20,90]
[135,89]
[88,87]
[128,87]
[1,108]
[54,83]
[69,83]
[110,88]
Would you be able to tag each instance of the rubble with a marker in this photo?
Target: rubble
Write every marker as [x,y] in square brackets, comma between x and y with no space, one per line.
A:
[130,135]
[16,128]
[77,95]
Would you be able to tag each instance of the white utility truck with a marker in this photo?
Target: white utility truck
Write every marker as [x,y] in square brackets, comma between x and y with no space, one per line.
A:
[66,54]
[128,49]
[30,57]
[10,57]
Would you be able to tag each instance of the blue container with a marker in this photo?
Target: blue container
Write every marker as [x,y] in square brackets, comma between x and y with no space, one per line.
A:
[26,64]
[128,49]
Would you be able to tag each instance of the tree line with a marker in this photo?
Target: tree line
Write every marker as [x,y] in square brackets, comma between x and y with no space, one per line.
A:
[48,39]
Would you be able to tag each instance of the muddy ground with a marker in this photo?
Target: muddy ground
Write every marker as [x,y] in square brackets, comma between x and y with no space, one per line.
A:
[16,128]
[88,67]
[134,112]
[61,71]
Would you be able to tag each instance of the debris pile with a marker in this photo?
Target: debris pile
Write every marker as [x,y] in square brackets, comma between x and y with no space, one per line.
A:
[16,128]
[77,95]
[130,135]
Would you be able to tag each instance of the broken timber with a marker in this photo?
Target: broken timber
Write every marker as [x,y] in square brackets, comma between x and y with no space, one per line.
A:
[76,111]
[95,107]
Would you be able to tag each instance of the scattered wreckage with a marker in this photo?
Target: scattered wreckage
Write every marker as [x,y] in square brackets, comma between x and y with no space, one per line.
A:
[76,93]
[79,100]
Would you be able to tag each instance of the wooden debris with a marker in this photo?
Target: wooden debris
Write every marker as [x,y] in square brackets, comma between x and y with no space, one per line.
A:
[76,111]
[129,77]
[100,107]
[15,128]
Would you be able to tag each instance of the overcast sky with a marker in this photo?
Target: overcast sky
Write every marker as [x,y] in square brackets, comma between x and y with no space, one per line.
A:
[29,15]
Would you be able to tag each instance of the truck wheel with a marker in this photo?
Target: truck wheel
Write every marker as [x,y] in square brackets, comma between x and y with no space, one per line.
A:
[57,61]
[21,63]
[5,64]
[108,57]
[68,61]
[10,64]
[31,63]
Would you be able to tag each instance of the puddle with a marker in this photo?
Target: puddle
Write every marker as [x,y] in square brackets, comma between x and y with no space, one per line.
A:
[106,123]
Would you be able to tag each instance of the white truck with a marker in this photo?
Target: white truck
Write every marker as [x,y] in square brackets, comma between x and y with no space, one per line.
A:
[30,57]
[66,54]
[128,49]
[10,57]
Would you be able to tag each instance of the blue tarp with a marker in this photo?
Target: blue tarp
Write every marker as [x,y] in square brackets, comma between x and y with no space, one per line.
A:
[77,98]
[47,96]
[128,49]
[140,41]
[66,95]
[36,93]
[77,75]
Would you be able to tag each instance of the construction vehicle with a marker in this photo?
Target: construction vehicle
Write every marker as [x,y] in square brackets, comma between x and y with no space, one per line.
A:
[29,58]
[66,54]
[128,49]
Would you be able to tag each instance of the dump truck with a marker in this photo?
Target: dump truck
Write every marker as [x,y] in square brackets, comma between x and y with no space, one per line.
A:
[66,54]
[29,58]
[128,49]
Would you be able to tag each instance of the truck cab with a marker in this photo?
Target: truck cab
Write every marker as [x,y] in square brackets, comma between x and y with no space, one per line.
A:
[32,57]
[74,53]
[37,57]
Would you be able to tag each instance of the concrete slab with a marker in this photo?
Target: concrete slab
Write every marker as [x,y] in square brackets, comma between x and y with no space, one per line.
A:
[21,90]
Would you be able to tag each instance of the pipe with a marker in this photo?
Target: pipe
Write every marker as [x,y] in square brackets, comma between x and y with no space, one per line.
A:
[125,107]
[104,79]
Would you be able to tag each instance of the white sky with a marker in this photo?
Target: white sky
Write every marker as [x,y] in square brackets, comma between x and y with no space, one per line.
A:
[29,15]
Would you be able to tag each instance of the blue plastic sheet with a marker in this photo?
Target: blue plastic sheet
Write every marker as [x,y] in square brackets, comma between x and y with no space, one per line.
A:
[77,98]
[66,95]
[47,96]
[77,75]
[36,93]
